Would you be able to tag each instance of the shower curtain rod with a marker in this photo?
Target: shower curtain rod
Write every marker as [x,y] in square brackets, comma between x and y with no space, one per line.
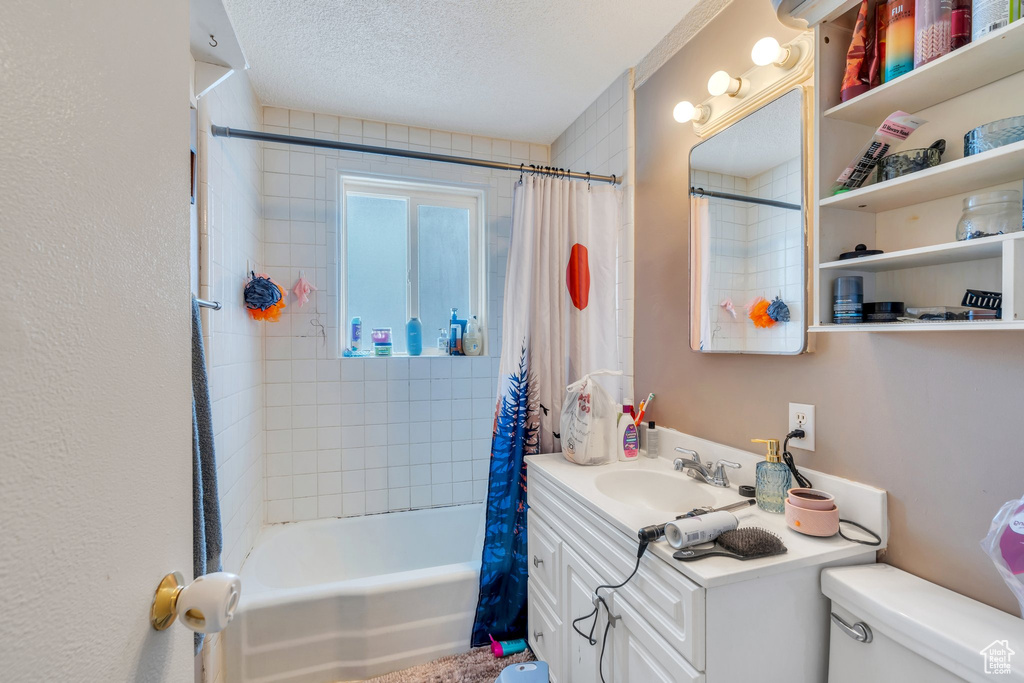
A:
[744,198]
[225,132]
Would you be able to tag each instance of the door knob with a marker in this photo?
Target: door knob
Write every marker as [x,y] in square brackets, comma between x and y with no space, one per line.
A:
[206,605]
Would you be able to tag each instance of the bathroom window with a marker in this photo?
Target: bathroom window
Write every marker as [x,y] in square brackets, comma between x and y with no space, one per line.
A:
[409,249]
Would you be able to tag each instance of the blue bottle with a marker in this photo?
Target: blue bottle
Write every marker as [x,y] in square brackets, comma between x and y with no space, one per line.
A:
[357,332]
[458,329]
[414,336]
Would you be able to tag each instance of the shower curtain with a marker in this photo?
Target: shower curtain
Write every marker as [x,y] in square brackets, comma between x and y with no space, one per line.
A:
[700,266]
[559,324]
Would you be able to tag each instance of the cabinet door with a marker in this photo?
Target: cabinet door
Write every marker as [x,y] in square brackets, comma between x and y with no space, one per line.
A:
[581,658]
[641,654]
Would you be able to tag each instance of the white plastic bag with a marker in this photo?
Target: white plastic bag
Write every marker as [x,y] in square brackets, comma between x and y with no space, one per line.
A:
[587,428]
[1005,545]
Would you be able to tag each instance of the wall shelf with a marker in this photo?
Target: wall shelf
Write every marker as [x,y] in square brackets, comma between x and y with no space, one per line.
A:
[996,166]
[913,218]
[995,56]
[934,255]
[931,326]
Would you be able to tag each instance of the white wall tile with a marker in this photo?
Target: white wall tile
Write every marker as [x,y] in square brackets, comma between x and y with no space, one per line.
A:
[357,436]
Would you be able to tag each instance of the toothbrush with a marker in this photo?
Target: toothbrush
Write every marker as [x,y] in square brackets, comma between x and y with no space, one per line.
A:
[643,409]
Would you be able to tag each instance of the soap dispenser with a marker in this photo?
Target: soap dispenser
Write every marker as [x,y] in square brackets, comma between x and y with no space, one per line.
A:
[772,479]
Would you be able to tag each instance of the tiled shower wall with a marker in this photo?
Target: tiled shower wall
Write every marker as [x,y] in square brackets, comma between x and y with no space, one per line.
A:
[230,239]
[601,141]
[357,436]
[756,251]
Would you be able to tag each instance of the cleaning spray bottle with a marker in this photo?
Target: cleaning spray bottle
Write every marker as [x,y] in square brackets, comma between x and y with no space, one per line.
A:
[772,479]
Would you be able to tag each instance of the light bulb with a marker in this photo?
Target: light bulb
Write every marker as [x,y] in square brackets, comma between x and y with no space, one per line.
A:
[768,51]
[683,112]
[721,83]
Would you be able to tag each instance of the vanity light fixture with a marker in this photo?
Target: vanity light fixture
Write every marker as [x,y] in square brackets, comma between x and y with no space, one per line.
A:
[768,51]
[721,83]
[685,112]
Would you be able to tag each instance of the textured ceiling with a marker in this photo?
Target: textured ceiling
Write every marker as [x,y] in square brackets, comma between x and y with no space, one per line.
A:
[755,143]
[522,70]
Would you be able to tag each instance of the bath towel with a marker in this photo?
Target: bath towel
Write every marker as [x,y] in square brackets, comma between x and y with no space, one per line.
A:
[206,531]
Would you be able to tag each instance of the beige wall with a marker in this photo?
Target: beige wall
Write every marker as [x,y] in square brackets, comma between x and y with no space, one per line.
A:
[937,419]
[95,460]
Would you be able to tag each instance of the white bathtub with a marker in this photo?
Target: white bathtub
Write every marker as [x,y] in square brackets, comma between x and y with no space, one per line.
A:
[347,599]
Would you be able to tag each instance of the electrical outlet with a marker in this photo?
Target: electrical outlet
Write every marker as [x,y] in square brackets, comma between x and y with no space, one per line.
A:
[801,416]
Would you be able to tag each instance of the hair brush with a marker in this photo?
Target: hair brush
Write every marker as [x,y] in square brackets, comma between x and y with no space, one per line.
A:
[748,543]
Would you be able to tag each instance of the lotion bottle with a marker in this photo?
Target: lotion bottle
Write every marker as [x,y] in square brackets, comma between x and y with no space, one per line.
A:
[628,443]
[773,479]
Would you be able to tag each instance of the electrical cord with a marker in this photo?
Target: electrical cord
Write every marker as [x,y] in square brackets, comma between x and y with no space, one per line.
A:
[787,457]
[598,602]
[877,541]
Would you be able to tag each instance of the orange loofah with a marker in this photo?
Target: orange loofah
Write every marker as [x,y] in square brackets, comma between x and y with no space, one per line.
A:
[758,312]
[271,314]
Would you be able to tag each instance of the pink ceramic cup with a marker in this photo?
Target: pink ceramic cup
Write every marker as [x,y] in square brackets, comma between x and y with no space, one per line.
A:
[811,499]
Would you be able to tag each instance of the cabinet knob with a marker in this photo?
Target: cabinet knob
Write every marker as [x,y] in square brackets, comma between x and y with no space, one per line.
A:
[538,634]
[537,561]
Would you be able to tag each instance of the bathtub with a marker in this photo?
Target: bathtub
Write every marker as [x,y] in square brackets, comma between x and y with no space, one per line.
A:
[347,599]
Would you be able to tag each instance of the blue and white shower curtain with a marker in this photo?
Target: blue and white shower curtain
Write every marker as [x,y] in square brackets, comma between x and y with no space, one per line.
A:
[559,324]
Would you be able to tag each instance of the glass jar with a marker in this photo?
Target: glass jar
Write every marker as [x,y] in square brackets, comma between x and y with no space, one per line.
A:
[990,213]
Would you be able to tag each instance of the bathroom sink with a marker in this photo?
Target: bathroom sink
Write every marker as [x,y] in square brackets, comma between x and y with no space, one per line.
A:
[663,491]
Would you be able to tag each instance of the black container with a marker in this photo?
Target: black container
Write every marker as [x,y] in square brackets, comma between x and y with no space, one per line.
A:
[883,311]
[848,300]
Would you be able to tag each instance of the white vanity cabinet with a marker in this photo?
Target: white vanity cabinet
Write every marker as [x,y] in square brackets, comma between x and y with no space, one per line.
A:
[769,625]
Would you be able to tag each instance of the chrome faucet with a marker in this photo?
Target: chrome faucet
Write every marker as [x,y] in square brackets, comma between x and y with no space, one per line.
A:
[713,474]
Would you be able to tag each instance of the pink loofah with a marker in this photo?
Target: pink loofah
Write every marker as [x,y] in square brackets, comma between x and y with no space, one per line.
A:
[302,289]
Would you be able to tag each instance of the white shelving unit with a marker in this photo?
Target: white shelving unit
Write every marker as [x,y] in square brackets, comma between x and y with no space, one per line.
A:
[997,166]
[935,255]
[913,219]
[949,76]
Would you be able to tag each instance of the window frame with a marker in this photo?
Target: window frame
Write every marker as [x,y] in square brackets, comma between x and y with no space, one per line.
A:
[416,193]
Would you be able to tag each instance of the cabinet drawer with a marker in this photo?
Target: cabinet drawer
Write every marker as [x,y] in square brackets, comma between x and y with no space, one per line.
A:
[543,547]
[545,633]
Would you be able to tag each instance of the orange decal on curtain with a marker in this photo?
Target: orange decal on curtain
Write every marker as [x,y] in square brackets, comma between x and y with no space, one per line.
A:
[577,276]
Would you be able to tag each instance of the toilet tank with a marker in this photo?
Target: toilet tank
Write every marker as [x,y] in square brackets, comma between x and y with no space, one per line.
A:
[903,629]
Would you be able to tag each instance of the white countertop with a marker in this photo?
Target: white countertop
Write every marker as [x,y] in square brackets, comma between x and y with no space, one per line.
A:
[803,551]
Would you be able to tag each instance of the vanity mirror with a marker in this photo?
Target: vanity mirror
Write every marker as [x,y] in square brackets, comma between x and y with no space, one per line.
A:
[749,232]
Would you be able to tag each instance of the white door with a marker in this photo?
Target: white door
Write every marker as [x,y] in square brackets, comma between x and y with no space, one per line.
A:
[95,396]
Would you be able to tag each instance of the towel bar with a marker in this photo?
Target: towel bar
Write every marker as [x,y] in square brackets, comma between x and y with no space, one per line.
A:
[203,303]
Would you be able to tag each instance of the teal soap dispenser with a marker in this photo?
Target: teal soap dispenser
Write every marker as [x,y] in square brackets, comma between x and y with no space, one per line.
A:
[772,479]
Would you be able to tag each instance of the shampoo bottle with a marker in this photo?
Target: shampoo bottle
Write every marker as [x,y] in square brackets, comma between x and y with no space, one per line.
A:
[414,336]
[772,480]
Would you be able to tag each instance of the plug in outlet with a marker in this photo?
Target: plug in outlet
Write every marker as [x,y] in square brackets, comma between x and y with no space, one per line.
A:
[801,416]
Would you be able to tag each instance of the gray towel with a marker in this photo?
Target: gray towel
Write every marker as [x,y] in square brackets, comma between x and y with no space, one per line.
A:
[206,531]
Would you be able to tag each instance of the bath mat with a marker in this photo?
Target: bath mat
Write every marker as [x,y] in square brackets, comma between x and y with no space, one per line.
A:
[476,666]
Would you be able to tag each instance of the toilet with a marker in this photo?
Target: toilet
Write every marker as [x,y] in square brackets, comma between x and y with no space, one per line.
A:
[888,625]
